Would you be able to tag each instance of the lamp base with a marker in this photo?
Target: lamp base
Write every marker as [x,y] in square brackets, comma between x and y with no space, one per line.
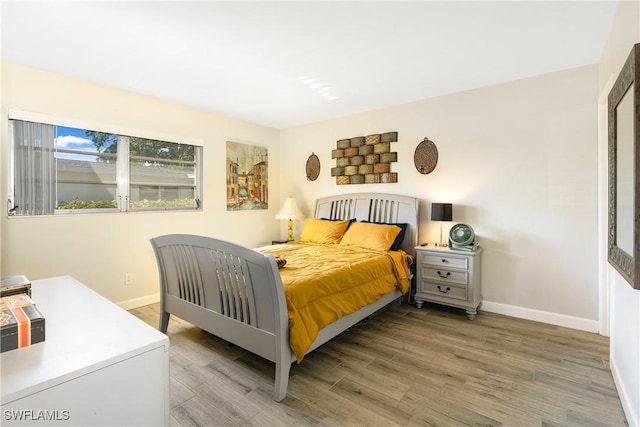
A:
[442,245]
[290,230]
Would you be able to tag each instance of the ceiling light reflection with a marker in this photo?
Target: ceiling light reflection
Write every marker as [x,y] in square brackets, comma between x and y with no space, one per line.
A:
[315,84]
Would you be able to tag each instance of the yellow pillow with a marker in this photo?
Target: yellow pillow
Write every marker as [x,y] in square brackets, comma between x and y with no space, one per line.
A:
[370,235]
[323,231]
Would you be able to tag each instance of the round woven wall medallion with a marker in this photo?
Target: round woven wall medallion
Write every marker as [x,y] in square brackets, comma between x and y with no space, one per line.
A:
[313,167]
[425,157]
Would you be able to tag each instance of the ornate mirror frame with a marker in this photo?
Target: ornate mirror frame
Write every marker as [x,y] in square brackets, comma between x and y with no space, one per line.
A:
[624,171]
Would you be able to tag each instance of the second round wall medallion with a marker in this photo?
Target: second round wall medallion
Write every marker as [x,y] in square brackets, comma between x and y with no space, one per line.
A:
[425,157]
[313,167]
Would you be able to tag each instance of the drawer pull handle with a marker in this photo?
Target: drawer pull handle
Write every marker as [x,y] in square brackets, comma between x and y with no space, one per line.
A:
[444,260]
[445,291]
[446,276]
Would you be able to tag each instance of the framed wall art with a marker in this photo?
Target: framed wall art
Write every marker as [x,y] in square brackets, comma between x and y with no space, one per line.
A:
[247,177]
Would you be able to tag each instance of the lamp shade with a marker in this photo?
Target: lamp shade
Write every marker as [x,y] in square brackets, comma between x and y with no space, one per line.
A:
[441,212]
[290,210]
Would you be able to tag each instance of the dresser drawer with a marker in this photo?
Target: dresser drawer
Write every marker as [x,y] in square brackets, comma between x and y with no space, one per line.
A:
[442,290]
[444,275]
[445,260]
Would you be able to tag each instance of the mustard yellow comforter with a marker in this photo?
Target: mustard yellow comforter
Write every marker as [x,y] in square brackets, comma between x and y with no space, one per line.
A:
[325,282]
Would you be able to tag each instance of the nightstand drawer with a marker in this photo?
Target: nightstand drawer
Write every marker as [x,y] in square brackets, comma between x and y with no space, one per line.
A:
[450,277]
[442,275]
[446,260]
[442,290]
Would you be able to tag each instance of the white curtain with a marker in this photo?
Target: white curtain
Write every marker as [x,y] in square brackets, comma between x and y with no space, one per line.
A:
[33,171]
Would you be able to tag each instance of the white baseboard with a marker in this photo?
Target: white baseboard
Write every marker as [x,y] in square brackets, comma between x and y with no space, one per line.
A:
[633,418]
[541,316]
[139,302]
[492,307]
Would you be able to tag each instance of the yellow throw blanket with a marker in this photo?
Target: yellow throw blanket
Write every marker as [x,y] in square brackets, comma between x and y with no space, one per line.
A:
[325,282]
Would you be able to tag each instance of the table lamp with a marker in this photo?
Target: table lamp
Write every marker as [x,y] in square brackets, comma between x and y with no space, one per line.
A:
[290,212]
[442,212]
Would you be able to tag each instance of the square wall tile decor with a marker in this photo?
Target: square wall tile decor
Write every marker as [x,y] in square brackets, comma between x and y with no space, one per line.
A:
[365,159]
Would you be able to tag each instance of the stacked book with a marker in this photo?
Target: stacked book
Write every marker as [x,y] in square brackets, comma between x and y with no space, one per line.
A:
[15,285]
[21,324]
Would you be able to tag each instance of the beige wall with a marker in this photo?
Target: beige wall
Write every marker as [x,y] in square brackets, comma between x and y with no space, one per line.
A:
[519,163]
[517,160]
[99,249]
[624,305]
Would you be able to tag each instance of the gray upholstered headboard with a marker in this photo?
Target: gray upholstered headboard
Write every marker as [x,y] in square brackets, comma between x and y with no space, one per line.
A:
[375,207]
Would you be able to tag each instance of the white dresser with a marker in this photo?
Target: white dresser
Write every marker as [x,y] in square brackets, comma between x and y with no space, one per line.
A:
[98,365]
[449,277]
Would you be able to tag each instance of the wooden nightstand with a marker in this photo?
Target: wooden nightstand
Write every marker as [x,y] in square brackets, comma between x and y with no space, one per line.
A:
[449,277]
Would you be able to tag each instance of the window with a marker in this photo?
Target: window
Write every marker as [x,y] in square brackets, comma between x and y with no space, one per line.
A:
[59,169]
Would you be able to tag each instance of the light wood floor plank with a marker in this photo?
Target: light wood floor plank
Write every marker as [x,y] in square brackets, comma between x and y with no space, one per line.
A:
[306,390]
[404,367]
[366,418]
[376,402]
[199,412]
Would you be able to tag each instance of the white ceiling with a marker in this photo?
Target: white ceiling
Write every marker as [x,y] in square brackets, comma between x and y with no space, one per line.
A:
[261,61]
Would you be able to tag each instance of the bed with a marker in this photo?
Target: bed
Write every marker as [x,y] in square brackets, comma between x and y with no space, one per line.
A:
[237,294]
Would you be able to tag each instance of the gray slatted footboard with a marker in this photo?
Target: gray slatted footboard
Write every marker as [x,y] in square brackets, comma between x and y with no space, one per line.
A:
[228,290]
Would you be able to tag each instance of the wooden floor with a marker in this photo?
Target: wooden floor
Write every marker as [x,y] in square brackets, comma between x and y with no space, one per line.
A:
[405,367]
